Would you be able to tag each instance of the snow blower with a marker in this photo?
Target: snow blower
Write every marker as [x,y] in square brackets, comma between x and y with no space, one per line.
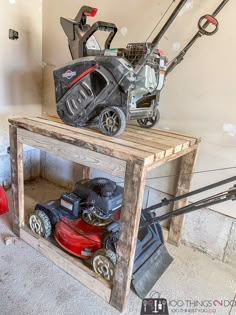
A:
[106,87]
[86,224]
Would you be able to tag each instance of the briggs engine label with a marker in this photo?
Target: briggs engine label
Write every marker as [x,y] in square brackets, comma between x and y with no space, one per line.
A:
[69,74]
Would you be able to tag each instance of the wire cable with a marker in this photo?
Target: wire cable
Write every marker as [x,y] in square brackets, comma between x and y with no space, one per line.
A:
[188,174]
[160,20]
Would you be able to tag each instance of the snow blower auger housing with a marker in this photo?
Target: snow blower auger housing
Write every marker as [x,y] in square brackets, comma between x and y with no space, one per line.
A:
[104,87]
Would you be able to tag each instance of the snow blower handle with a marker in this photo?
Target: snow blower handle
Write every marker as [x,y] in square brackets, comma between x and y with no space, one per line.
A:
[82,15]
[101,26]
[209,19]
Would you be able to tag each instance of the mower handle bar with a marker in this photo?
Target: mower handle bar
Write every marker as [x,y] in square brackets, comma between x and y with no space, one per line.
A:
[166,202]
[204,203]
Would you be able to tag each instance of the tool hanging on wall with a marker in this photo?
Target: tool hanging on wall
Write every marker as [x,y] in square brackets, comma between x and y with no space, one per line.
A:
[107,87]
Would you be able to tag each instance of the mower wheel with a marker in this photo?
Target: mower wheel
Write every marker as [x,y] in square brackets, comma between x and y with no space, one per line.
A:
[112,121]
[104,261]
[149,122]
[40,223]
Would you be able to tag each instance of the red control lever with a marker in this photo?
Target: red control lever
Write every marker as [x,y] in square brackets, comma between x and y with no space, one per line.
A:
[211,19]
[93,13]
[204,22]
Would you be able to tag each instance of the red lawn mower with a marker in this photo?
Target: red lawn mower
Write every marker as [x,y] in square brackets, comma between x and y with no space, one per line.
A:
[85,223]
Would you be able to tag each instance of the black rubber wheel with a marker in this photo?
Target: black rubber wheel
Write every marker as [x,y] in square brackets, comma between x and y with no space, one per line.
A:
[104,262]
[112,121]
[40,223]
[149,122]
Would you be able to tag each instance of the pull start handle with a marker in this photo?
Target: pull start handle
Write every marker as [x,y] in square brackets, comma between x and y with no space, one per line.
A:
[209,19]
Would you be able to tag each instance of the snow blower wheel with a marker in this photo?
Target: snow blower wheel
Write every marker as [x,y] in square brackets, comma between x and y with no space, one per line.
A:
[112,121]
[40,223]
[149,122]
[104,262]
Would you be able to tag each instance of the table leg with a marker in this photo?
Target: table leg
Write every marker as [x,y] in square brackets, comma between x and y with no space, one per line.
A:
[129,223]
[187,164]
[17,180]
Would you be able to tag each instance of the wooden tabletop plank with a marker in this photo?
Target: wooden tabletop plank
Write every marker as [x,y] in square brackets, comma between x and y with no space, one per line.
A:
[131,125]
[177,144]
[147,139]
[125,136]
[155,133]
[147,145]
[158,152]
[171,133]
[85,141]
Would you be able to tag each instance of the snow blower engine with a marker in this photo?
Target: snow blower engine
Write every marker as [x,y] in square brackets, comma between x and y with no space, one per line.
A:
[106,87]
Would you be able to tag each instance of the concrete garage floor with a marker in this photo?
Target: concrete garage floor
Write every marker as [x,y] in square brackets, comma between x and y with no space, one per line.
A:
[31,284]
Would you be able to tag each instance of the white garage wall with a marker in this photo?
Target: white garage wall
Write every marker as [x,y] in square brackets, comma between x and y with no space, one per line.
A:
[20,68]
[198,97]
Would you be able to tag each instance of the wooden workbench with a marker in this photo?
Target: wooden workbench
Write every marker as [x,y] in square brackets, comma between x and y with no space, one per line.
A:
[130,156]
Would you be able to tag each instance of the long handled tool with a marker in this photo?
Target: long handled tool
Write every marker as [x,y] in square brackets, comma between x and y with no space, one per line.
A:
[152,257]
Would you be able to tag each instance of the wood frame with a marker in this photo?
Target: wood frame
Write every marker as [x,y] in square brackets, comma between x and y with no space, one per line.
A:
[117,156]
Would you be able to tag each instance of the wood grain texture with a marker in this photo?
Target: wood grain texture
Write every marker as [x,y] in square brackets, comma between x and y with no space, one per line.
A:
[158,152]
[172,157]
[135,143]
[187,164]
[177,144]
[86,172]
[73,153]
[73,266]
[148,137]
[17,180]
[129,224]
[85,141]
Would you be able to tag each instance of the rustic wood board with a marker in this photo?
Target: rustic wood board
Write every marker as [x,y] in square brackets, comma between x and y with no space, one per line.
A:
[136,143]
[187,164]
[17,180]
[73,266]
[86,141]
[73,153]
